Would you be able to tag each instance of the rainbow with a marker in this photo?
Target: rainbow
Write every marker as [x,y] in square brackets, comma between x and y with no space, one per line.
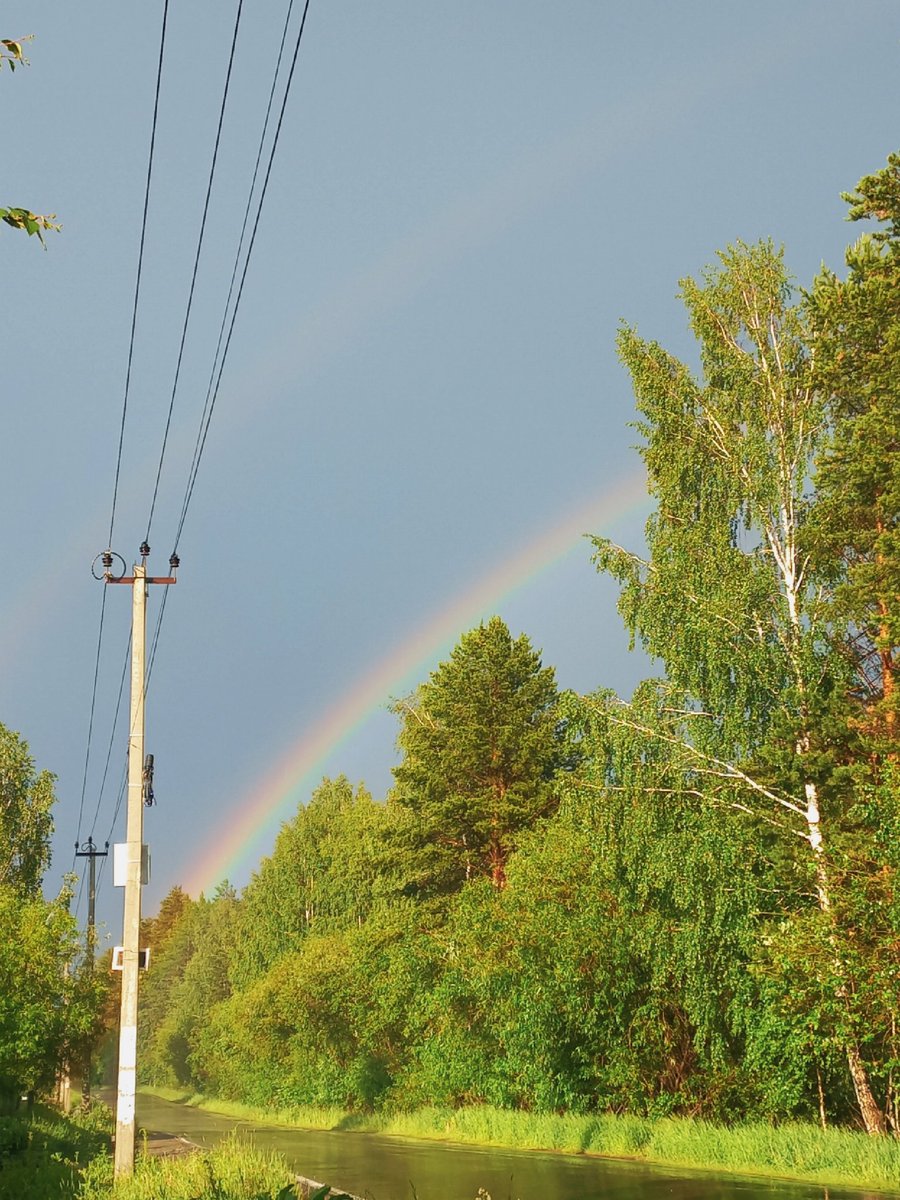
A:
[256,814]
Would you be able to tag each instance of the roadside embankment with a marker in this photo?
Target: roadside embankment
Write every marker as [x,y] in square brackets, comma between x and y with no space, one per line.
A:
[796,1150]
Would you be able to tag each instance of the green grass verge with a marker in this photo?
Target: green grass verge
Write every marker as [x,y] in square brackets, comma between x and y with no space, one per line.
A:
[232,1171]
[796,1151]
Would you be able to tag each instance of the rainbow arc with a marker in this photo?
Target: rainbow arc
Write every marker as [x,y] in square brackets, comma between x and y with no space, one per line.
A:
[299,768]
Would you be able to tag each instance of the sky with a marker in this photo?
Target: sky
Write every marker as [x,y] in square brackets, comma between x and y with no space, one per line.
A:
[421,411]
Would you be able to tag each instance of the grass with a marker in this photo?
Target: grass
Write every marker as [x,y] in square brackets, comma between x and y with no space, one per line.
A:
[797,1151]
[42,1155]
[49,1156]
[232,1171]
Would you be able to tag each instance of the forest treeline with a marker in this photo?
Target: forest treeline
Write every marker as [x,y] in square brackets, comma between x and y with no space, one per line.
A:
[686,902]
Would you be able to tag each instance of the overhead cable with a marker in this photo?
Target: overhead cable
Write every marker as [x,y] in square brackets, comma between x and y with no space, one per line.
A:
[137,285]
[127,384]
[112,735]
[190,301]
[213,393]
[90,732]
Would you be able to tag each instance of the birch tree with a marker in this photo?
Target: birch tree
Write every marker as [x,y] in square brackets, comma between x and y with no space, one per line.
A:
[726,597]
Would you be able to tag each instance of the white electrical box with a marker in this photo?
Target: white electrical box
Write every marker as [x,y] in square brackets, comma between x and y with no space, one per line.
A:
[118,958]
[120,864]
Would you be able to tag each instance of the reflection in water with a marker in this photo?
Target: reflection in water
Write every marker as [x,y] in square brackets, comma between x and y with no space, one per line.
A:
[387,1168]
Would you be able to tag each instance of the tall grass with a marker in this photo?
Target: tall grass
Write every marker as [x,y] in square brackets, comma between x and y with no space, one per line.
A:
[43,1154]
[792,1151]
[49,1156]
[232,1171]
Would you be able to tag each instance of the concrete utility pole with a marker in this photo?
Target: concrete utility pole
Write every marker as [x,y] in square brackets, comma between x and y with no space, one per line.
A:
[134,839]
[91,853]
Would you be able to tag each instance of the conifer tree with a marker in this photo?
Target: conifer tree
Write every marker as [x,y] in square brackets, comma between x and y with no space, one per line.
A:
[481,742]
[856,342]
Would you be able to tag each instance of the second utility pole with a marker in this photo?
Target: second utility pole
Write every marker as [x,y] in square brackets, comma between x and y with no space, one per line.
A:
[134,839]
[90,852]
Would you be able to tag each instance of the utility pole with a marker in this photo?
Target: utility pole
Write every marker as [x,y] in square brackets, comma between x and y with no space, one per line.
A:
[91,853]
[134,841]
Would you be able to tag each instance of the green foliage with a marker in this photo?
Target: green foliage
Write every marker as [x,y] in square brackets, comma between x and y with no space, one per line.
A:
[323,874]
[32,223]
[11,53]
[193,945]
[724,599]
[326,1024]
[42,1009]
[42,1156]
[856,327]
[47,1010]
[481,746]
[754,715]
[26,798]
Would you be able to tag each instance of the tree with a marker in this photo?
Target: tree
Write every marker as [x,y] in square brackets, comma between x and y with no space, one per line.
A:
[856,338]
[26,798]
[45,1010]
[482,743]
[156,931]
[189,978]
[727,598]
[322,874]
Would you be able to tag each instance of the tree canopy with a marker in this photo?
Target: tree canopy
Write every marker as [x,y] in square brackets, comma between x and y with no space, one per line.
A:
[481,742]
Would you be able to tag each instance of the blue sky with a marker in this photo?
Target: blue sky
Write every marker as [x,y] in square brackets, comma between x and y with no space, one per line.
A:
[466,202]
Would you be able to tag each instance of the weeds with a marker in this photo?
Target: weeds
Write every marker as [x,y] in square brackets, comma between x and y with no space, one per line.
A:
[42,1156]
[232,1171]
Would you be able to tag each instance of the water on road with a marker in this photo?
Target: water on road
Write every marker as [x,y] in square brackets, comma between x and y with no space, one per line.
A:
[391,1168]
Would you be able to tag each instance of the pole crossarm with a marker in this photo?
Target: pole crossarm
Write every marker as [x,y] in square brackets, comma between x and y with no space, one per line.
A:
[147,579]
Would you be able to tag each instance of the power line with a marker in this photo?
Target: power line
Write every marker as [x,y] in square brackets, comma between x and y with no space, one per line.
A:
[124,782]
[112,735]
[112,824]
[137,285]
[122,785]
[208,410]
[210,396]
[177,369]
[80,885]
[187,315]
[240,247]
[221,352]
[137,290]
[90,732]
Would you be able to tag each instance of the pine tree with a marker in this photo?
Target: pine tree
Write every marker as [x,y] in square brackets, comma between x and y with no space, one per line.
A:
[856,343]
[481,744]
